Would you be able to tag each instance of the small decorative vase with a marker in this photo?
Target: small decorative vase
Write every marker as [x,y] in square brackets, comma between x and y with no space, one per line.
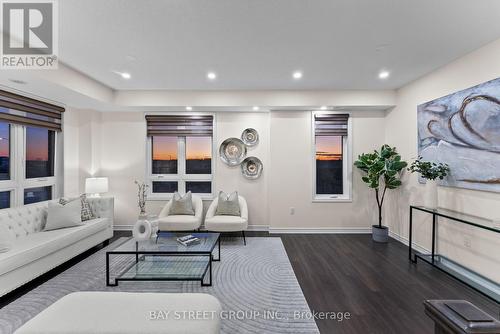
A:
[431,194]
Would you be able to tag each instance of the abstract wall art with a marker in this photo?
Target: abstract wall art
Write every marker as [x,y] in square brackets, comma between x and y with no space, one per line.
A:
[463,130]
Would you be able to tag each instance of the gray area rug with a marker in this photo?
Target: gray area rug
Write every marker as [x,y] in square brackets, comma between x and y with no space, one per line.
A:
[254,278]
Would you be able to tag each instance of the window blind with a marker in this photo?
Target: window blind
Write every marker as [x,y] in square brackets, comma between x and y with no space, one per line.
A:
[170,125]
[18,109]
[331,124]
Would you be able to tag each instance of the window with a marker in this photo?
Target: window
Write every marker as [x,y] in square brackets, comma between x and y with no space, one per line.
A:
[4,199]
[180,154]
[28,150]
[4,151]
[331,157]
[39,194]
[40,144]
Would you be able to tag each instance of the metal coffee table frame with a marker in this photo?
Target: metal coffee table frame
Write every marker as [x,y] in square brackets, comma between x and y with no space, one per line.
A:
[141,254]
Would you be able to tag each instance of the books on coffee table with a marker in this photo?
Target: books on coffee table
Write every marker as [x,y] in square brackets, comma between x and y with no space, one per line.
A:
[188,240]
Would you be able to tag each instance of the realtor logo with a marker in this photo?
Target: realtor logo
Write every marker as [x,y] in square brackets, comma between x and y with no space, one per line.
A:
[29,38]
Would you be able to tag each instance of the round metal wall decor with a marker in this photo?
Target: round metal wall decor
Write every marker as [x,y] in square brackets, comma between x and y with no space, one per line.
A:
[251,168]
[232,151]
[250,137]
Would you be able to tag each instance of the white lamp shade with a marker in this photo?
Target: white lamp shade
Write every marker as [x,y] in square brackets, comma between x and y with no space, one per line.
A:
[96,185]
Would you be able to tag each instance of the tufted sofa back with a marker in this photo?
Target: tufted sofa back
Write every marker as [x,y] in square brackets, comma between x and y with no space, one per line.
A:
[24,220]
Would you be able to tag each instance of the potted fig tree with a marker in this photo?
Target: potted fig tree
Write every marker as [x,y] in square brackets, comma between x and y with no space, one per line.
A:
[382,170]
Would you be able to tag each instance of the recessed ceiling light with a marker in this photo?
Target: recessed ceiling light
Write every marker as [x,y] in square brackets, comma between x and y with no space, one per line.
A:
[211,76]
[188,108]
[323,107]
[383,74]
[255,108]
[125,75]
[297,75]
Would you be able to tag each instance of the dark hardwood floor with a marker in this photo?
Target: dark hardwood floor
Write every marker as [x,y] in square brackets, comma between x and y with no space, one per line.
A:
[375,283]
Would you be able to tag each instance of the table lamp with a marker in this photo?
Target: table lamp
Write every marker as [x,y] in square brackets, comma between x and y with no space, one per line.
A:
[95,186]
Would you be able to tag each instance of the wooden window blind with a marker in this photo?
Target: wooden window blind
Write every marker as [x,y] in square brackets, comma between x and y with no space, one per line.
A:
[170,125]
[331,124]
[18,109]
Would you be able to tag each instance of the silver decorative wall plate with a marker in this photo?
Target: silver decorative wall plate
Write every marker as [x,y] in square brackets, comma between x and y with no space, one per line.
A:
[232,151]
[251,168]
[250,137]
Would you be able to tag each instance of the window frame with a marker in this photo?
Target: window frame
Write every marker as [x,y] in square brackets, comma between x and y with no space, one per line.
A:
[346,161]
[181,177]
[18,182]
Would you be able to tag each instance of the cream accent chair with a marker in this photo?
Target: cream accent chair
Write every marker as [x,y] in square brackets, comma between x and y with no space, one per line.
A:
[225,223]
[170,223]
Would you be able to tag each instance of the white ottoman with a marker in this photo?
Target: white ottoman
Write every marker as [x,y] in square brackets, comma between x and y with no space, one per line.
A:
[124,313]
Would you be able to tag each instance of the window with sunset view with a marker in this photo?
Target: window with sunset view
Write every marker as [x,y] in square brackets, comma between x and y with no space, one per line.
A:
[329,165]
[332,149]
[181,154]
[40,145]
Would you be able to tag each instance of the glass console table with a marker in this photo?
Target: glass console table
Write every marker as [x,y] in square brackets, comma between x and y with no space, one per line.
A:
[480,283]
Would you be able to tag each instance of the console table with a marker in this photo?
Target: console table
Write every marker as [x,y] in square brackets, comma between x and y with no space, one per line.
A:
[479,283]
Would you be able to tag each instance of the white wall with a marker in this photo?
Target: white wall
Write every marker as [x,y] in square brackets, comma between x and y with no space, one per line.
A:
[284,136]
[290,178]
[401,131]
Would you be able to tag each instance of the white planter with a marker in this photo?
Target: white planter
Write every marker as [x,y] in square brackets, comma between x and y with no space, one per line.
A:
[431,194]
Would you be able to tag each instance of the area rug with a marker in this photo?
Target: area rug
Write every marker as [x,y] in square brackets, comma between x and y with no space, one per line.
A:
[255,284]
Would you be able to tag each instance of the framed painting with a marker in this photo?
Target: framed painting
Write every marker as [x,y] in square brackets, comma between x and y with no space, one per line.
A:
[463,130]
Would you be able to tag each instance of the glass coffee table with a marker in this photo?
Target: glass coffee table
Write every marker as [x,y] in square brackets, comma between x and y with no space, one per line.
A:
[165,259]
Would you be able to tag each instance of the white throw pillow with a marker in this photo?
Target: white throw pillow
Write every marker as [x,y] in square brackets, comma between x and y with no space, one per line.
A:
[6,239]
[64,215]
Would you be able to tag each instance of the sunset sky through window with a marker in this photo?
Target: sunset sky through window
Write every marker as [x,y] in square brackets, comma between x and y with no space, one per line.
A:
[37,144]
[165,148]
[328,148]
[4,142]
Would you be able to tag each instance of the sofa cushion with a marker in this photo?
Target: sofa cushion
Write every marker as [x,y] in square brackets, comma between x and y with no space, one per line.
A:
[179,223]
[87,213]
[63,215]
[226,224]
[37,245]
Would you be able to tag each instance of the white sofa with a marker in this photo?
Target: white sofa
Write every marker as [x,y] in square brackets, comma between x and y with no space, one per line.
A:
[168,222]
[128,313]
[35,251]
[219,223]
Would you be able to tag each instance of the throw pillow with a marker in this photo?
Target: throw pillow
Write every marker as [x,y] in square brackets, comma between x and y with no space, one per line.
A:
[87,213]
[182,205]
[63,215]
[228,205]
[6,239]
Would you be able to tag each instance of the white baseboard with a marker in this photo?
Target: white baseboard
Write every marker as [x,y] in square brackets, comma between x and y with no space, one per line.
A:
[321,230]
[250,227]
[122,227]
[404,241]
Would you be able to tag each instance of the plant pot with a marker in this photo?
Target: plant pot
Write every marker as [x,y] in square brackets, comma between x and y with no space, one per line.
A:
[431,194]
[380,234]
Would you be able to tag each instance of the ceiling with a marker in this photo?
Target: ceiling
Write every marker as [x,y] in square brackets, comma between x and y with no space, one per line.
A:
[255,45]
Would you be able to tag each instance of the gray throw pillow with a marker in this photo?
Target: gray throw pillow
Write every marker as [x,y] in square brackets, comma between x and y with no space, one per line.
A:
[87,213]
[228,205]
[182,205]
[63,215]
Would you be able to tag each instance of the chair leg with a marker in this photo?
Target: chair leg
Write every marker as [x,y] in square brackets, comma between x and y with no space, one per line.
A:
[244,240]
